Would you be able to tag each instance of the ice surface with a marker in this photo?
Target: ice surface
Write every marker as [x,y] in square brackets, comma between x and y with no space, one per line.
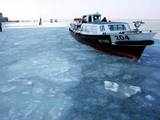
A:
[45,74]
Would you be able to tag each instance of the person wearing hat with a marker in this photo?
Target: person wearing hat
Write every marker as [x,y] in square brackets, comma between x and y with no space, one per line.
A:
[0,27]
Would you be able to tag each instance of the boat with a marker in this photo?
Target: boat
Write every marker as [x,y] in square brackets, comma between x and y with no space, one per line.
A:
[116,38]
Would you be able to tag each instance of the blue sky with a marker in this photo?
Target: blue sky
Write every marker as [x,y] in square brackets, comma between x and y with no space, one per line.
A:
[33,9]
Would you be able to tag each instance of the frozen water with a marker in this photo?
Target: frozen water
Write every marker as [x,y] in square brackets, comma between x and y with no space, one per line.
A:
[47,75]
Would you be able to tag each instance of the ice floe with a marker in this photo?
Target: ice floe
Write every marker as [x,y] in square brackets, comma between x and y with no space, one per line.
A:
[150,98]
[112,86]
[121,89]
[131,90]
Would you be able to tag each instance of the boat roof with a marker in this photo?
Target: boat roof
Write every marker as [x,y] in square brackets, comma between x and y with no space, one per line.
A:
[108,23]
[95,14]
[77,18]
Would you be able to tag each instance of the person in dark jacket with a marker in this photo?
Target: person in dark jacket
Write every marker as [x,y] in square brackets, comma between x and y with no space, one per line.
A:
[0,27]
[104,19]
[40,21]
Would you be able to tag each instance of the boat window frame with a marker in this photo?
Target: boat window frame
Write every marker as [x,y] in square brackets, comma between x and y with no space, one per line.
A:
[117,27]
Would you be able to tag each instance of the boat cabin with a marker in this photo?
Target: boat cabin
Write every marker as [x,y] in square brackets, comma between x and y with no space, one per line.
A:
[94,18]
[104,28]
[93,24]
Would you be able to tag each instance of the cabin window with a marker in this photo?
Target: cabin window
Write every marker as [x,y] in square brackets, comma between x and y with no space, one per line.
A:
[116,27]
[102,28]
[96,18]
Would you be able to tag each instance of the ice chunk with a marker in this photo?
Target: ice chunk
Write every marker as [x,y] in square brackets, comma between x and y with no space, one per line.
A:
[38,90]
[16,79]
[131,90]
[52,92]
[122,89]
[16,43]
[29,83]
[127,77]
[25,92]
[5,89]
[112,86]
[149,97]
[28,110]
[113,69]
[35,62]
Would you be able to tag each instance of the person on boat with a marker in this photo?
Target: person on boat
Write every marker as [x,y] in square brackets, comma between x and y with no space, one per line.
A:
[40,21]
[0,27]
[84,19]
[104,19]
[79,23]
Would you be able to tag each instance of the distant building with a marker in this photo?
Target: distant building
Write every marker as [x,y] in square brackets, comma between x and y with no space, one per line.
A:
[3,19]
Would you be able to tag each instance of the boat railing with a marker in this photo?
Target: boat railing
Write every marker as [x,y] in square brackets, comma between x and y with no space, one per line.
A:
[140,26]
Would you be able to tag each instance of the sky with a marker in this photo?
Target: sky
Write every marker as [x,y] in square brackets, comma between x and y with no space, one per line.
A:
[68,9]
